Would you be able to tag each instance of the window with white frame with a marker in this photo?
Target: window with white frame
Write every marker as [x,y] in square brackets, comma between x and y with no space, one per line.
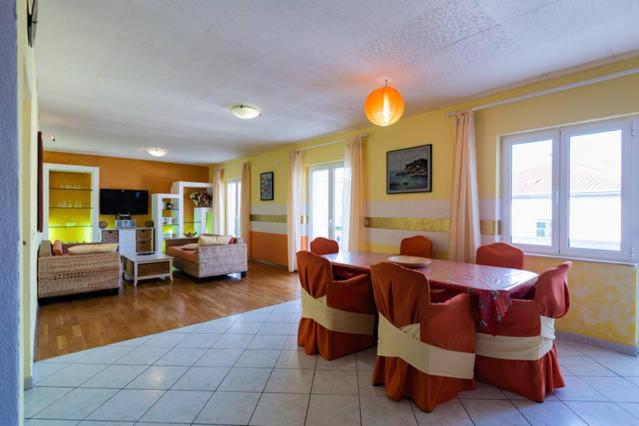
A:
[233,192]
[326,197]
[573,190]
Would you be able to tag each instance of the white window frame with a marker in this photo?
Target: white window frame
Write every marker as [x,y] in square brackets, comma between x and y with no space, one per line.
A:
[238,198]
[331,195]
[629,244]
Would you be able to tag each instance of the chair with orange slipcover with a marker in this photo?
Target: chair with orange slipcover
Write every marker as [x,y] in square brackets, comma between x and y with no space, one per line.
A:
[425,350]
[321,245]
[416,246]
[521,357]
[338,317]
[500,254]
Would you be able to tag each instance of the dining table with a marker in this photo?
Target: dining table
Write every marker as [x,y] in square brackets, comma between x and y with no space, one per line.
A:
[494,287]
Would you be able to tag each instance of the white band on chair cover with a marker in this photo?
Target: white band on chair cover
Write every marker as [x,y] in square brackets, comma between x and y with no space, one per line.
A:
[336,319]
[529,348]
[405,343]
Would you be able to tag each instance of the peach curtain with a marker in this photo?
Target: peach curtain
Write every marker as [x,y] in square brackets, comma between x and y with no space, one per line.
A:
[245,203]
[354,203]
[294,208]
[218,201]
[464,237]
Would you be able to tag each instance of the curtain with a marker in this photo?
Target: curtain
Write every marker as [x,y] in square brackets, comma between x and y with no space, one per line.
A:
[294,207]
[218,201]
[245,203]
[354,207]
[464,237]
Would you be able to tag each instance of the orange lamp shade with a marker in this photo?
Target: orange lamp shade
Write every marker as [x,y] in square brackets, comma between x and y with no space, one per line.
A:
[384,106]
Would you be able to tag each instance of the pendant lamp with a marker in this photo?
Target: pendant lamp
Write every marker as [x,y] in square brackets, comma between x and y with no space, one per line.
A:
[384,106]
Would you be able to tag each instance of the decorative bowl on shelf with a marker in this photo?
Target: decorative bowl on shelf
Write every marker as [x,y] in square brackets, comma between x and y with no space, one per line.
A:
[103,224]
[149,224]
[410,261]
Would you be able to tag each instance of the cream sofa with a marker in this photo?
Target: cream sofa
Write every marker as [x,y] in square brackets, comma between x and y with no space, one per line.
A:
[79,273]
[210,260]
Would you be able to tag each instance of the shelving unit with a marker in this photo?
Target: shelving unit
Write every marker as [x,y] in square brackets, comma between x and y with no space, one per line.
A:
[192,219]
[70,201]
[167,221]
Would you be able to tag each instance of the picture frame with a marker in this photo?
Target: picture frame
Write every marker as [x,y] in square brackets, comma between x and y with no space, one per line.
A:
[409,170]
[267,186]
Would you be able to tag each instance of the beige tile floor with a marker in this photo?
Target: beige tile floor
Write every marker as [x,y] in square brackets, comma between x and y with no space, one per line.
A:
[247,369]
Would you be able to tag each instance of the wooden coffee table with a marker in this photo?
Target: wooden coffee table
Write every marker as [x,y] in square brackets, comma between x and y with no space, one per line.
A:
[146,266]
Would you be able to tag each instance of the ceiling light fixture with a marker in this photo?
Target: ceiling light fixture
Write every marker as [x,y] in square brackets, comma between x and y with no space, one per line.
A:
[245,112]
[157,152]
[384,106]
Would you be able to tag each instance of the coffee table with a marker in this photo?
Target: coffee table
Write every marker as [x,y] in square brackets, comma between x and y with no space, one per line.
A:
[146,266]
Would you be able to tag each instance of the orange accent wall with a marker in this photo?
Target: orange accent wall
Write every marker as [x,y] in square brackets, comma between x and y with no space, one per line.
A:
[269,247]
[125,173]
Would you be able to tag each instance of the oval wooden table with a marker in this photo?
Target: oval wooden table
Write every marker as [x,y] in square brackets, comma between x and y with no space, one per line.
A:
[493,286]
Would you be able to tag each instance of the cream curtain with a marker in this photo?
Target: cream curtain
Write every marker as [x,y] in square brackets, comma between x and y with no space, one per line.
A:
[245,203]
[354,203]
[464,237]
[218,201]
[294,207]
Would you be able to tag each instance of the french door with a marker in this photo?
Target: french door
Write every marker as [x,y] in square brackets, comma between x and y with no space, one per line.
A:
[233,196]
[326,201]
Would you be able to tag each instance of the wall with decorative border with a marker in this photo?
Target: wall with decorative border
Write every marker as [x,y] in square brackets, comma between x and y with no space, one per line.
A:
[392,217]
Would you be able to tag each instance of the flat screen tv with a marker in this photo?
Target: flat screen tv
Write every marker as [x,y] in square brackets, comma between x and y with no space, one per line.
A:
[124,201]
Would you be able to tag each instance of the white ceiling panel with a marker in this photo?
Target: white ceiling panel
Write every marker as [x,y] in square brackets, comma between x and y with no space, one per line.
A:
[116,77]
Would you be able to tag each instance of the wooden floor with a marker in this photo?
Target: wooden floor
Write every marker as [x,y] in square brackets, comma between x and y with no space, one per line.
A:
[82,322]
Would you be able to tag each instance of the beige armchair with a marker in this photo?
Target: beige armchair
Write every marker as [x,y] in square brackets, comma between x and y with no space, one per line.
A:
[210,260]
[74,274]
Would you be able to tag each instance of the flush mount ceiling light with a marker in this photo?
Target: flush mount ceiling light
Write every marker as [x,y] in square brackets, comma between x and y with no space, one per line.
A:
[384,106]
[245,112]
[157,152]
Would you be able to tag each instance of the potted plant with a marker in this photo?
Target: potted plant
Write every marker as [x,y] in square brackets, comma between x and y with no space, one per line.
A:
[201,199]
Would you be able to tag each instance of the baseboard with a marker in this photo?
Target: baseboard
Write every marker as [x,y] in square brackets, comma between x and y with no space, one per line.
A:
[586,340]
[266,262]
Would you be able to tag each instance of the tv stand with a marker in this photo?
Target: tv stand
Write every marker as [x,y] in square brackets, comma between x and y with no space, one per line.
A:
[131,240]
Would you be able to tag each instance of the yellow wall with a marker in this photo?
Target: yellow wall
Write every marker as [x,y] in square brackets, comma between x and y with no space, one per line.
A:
[124,173]
[616,323]
[603,300]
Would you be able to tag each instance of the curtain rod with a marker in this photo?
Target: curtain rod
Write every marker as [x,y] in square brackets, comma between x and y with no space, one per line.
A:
[562,88]
[343,140]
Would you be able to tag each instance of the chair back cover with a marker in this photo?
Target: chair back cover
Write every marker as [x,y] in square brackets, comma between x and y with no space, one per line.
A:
[500,254]
[416,246]
[402,296]
[533,379]
[321,245]
[551,291]
[354,295]
[314,272]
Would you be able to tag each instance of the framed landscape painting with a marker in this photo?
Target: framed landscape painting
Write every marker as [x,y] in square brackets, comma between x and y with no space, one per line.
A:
[409,170]
[266,186]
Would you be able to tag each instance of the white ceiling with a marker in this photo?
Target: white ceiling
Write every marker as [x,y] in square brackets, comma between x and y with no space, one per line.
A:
[118,76]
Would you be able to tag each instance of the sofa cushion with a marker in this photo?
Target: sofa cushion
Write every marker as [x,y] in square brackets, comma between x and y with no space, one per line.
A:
[56,248]
[207,240]
[190,246]
[182,253]
[93,248]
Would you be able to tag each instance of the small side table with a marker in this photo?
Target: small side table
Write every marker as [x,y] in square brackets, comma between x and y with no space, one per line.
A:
[146,266]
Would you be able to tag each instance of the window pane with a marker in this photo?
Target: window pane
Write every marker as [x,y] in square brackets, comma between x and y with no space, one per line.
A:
[338,203]
[531,202]
[319,203]
[595,191]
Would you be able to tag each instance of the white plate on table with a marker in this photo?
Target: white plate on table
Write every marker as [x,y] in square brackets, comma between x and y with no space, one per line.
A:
[410,261]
